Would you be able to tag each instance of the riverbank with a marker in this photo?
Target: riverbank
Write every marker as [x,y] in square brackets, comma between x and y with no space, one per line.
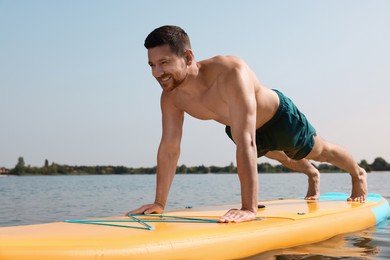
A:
[21,169]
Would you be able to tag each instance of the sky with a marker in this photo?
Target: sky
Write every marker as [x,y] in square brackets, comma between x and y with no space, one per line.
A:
[76,89]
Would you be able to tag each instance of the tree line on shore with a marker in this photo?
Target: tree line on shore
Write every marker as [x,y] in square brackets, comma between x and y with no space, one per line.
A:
[379,164]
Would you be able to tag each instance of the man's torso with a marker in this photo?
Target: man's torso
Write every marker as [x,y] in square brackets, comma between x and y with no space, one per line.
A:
[203,97]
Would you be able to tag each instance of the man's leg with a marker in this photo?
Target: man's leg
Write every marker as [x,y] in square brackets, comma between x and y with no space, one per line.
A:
[313,191]
[324,151]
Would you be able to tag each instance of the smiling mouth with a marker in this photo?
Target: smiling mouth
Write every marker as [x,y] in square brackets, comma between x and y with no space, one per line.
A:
[164,79]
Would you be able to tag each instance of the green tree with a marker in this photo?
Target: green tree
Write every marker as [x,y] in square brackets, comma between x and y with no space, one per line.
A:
[54,168]
[380,164]
[20,167]
[182,169]
[364,164]
[231,168]
[265,168]
[21,162]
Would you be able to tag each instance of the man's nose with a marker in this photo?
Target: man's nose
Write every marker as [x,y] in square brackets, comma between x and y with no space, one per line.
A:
[158,72]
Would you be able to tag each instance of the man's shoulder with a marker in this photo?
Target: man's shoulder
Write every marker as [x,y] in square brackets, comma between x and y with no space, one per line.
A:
[222,67]
[223,61]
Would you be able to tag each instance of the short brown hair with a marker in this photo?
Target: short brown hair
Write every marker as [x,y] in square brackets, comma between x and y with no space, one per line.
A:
[174,36]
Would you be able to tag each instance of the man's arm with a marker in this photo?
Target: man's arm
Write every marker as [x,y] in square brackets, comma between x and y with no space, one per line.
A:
[241,100]
[167,155]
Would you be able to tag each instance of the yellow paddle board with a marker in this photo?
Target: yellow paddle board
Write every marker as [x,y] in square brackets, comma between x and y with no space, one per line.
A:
[194,233]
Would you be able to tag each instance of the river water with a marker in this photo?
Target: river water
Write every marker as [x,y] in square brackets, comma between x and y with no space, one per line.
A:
[41,199]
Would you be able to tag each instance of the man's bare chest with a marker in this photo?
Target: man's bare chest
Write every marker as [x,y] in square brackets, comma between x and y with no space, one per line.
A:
[207,105]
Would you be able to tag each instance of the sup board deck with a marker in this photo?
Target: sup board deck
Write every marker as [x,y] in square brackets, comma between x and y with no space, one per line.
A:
[194,233]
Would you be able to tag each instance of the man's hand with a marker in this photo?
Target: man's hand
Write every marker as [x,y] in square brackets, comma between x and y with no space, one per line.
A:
[237,215]
[148,209]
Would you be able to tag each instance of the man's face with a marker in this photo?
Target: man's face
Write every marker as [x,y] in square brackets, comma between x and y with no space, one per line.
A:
[169,69]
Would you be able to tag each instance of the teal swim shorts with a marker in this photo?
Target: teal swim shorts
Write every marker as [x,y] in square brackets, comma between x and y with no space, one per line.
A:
[288,130]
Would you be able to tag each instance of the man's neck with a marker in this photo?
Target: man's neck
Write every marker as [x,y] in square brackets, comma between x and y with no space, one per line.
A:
[191,80]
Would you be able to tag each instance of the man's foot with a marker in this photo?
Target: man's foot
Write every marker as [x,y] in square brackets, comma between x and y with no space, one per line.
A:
[359,186]
[313,191]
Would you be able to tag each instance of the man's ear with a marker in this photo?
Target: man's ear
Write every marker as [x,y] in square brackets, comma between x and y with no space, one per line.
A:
[189,57]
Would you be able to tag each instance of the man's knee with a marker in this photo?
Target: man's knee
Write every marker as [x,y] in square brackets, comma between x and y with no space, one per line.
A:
[279,156]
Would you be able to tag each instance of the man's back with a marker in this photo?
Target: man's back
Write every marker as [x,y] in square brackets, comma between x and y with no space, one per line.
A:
[205,94]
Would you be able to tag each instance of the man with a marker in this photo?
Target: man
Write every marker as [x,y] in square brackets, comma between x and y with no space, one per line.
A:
[259,120]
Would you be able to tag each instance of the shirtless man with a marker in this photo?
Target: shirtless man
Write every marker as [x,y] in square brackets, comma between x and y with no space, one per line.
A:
[259,120]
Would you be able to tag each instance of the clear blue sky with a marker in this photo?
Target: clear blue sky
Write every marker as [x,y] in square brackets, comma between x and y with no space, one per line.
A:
[75,87]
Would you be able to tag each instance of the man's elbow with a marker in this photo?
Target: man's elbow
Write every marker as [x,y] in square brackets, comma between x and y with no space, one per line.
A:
[247,146]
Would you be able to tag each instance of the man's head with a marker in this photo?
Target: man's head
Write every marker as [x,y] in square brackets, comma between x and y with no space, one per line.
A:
[175,37]
[169,56]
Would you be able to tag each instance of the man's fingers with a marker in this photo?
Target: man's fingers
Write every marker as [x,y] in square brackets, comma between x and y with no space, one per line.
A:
[147,209]
[236,215]
[140,210]
[137,211]
[150,211]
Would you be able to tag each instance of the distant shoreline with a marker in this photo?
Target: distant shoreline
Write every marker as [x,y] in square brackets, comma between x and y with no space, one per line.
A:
[141,174]
[21,169]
